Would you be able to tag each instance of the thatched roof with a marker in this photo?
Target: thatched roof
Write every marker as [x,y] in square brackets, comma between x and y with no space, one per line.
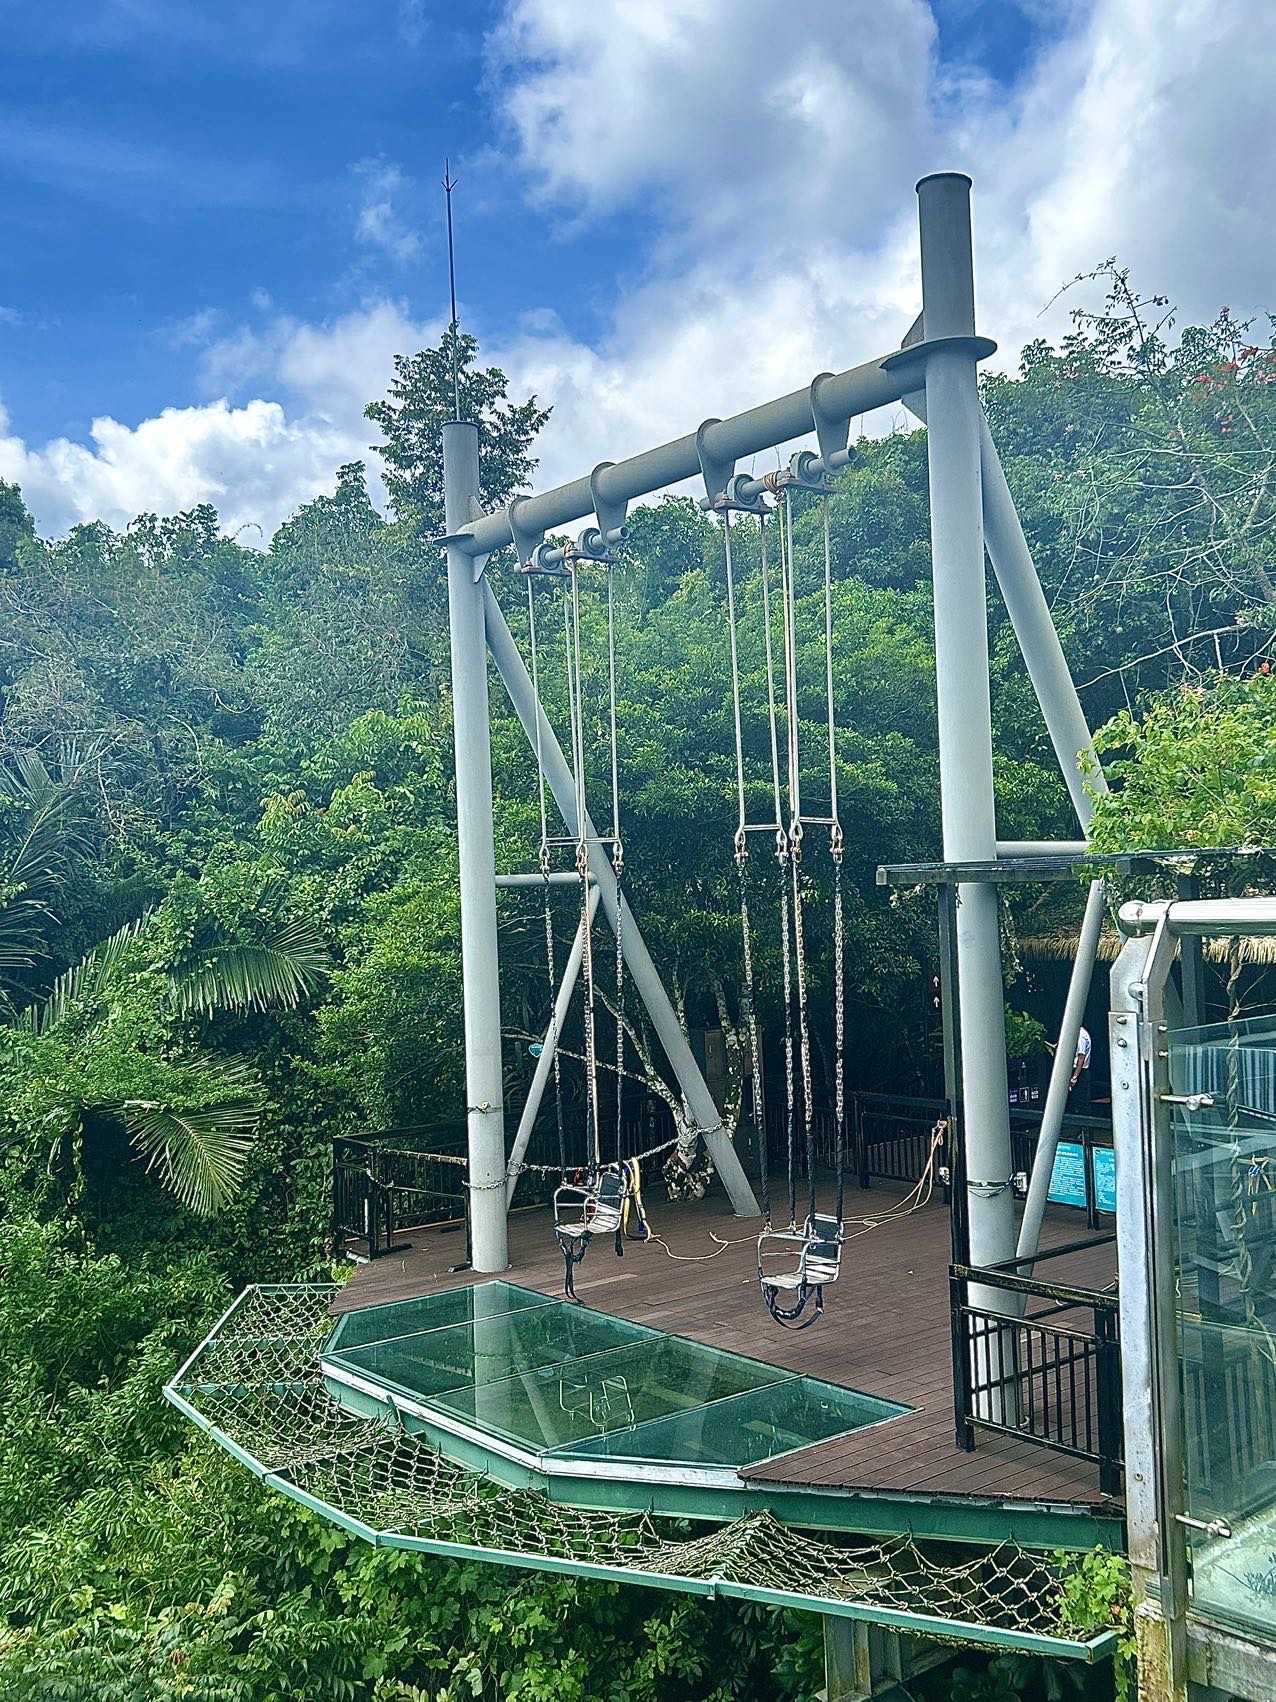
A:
[1059,945]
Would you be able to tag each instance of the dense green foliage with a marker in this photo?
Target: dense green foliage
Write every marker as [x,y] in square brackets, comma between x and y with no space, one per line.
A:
[228,931]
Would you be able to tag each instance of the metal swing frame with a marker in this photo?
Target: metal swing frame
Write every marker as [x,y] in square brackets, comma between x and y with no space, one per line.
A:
[934,373]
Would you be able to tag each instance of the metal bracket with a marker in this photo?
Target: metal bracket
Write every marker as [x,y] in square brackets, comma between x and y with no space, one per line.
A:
[526,540]
[832,433]
[802,472]
[735,496]
[716,474]
[609,515]
[919,353]
[1211,1527]
[592,545]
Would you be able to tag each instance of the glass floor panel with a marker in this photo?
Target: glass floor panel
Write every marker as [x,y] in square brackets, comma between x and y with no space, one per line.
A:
[564,1403]
[432,1312]
[744,1429]
[490,1350]
[561,1382]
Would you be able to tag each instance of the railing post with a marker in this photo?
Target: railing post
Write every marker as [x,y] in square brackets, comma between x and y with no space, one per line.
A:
[372,1203]
[338,1212]
[964,1430]
[1111,1415]
[861,1137]
[1087,1166]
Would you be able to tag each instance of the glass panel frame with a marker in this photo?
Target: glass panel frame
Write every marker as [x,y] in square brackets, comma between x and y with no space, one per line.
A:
[1224,1166]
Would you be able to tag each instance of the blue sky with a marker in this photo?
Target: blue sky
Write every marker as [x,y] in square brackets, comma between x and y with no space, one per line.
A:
[222,221]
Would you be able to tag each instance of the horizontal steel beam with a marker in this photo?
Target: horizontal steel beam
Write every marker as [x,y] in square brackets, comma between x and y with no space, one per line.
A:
[842,395]
[1222,916]
[558,877]
[1042,847]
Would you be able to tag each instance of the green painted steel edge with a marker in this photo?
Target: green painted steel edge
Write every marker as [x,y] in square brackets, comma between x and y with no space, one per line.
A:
[962,1631]
[921,1625]
[177,1399]
[942,1518]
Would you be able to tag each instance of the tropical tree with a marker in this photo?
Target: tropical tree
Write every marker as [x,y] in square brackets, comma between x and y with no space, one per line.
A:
[412,416]
[118,1039]
[40,837]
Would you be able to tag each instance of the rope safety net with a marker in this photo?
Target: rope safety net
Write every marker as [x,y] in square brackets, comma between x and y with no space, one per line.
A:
[257,1387]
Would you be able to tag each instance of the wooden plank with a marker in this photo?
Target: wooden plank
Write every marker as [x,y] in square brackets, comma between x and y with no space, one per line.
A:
[885,1332]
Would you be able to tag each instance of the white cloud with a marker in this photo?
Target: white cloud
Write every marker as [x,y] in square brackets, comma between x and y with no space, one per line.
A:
[257,461]
[195,329]
[380,223]
[252,462]
[784,181]
[770,183]
[734,121]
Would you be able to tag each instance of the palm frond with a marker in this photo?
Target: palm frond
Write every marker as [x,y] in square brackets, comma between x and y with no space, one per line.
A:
[243,975]
[83,980]
[37,836]
[199,1153]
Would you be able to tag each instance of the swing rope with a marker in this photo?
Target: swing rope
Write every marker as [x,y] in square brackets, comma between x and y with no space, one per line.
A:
[782,857]
[576,696]
[836,852]
[543,860]
[788,579]
[741,863]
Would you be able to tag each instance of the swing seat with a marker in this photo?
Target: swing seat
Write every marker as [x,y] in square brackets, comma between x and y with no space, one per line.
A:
[812,1260]
[583,1210]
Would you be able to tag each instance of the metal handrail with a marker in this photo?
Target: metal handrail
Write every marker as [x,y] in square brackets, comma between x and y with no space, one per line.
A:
[1055,1385]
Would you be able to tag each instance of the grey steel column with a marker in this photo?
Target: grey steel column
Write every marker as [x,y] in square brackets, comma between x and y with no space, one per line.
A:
[1035,629]
[1065,1056]
[1033,625]
[646,977]
[965,717]
[1154,1471]
[485,1120]
[545,1062]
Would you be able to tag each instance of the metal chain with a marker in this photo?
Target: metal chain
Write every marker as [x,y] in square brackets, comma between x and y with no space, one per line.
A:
[782,859]
[618,869]
[788,580]
[772,712]
[836,850]
[839,1030]
[741,863]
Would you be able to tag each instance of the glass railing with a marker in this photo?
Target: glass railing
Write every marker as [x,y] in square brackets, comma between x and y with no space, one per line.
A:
[1223,1123]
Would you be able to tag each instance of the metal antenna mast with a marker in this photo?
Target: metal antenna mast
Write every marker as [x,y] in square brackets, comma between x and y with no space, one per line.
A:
[449,184]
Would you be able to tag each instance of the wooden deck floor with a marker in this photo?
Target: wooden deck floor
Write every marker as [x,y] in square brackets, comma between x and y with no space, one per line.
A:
[885,1332]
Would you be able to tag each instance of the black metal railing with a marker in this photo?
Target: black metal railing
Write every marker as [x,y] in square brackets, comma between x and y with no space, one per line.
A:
[387,1182]
[1050,1376]
[1092,1134]
[892,1135]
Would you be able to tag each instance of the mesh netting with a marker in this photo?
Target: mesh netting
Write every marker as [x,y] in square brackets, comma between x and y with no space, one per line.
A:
[258,1385]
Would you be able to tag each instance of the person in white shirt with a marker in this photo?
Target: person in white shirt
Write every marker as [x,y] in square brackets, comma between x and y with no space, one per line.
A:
[1079,1094]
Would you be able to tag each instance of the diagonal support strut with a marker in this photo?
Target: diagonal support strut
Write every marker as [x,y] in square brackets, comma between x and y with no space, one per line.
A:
[700,1102]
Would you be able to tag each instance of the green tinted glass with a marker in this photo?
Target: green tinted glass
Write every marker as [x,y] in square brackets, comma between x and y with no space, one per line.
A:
[566,1402]
[1224,1141]
[432,1312]
[490,1350]
[745,1428]
[548,1377]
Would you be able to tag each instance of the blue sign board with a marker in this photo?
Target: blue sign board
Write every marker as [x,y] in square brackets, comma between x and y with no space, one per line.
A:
[1067,1183]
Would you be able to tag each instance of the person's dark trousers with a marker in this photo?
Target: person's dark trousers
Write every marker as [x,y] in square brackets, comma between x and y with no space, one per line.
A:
[1079,1096]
